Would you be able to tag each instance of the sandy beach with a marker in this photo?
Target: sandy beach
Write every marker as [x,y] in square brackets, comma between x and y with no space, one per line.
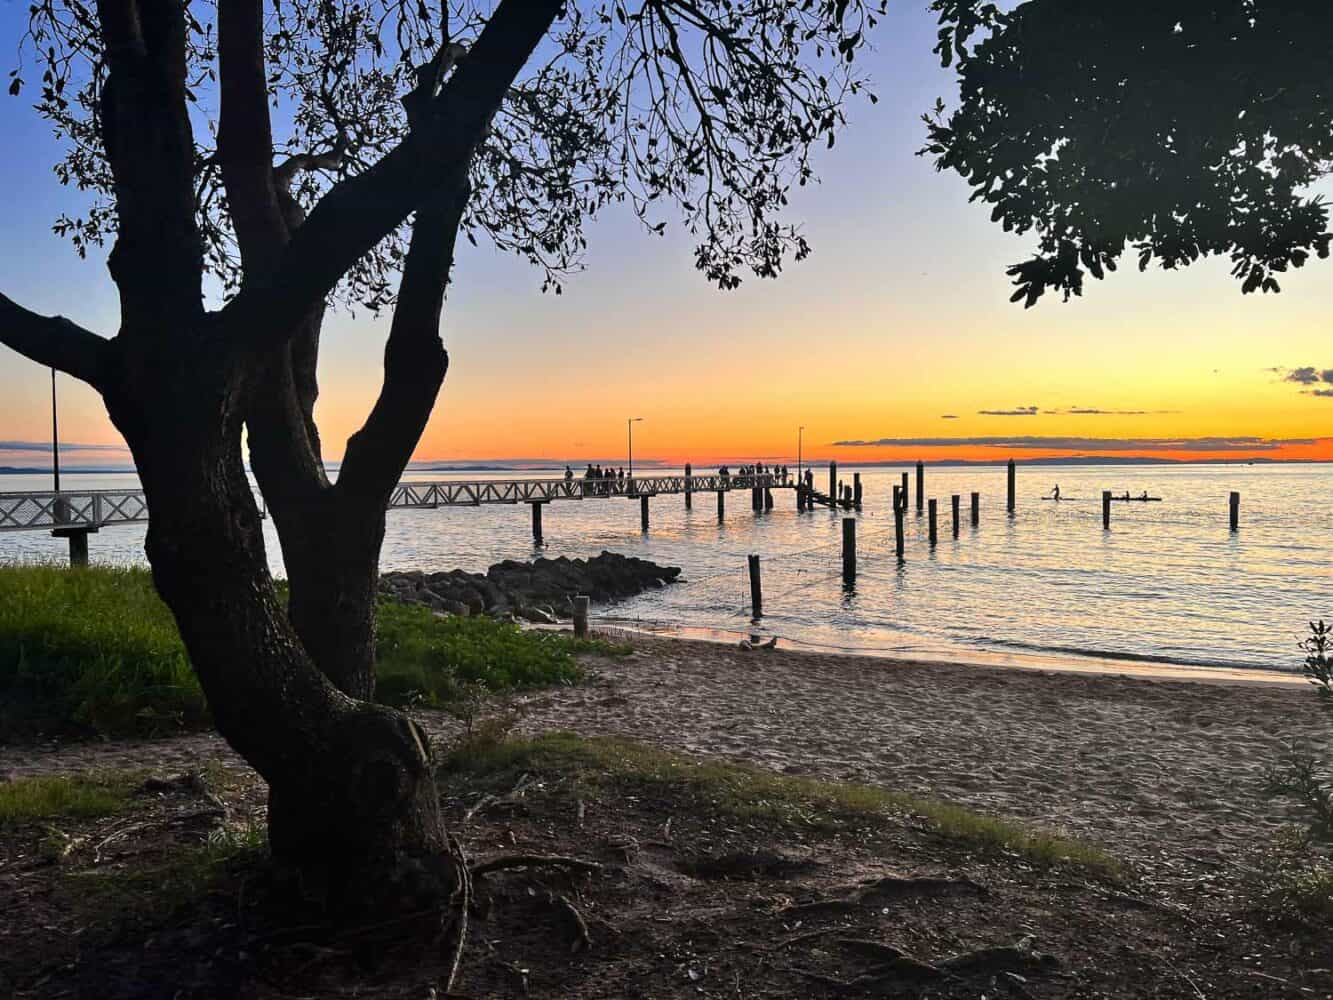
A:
[1153,769]
[1148,767]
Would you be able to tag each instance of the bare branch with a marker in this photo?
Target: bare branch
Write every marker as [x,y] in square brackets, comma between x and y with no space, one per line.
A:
[415,361]
[360,211]
[53,341]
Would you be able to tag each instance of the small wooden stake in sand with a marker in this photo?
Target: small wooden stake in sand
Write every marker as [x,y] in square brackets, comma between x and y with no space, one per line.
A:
[580,616]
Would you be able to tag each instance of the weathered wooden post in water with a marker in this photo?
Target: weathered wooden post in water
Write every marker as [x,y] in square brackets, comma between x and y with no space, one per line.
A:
[1011,486]
[904,491]
[896,496]
[833,481]
[856,490]
[768,498]
[580,616]
[643,512]
[920,486]
[898,514]
[756,590]
[721,505]
[1106,509]
[537,522]
[1235,513]
[933,535]
[689,481]
[956,500]
[976,509]
[848,550]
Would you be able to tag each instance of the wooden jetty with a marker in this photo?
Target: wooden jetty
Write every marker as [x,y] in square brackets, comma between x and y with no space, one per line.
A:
[75,514]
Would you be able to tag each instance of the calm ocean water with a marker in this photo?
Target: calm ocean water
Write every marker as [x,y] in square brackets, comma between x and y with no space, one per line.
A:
[1167,583]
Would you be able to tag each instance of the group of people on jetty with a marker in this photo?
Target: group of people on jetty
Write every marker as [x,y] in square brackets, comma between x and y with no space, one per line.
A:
[780,473]
[605,481]
[599,481]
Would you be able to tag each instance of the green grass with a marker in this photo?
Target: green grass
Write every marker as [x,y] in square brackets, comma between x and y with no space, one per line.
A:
[59,797]
[96,650]
[750,793]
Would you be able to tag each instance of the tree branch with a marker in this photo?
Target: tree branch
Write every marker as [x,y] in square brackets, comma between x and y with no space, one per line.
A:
[360,211]
[157,262]
[53,341]
[245,135]
[415,360]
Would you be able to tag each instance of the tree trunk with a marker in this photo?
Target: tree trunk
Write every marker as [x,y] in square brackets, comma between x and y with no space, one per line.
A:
[352,805]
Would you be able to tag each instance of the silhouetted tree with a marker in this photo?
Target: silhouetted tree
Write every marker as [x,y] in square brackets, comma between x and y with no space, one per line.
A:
[1172,128]
[251,161]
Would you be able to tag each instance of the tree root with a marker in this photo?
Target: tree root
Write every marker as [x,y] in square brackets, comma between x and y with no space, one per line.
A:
[511,798]
[455,929]
[893,966]
[534,861]
[881,890]
[574,919]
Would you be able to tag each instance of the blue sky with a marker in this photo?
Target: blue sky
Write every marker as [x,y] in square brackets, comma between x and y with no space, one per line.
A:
[900,317]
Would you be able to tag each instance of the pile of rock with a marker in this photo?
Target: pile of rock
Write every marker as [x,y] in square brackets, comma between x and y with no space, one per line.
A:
[537,591]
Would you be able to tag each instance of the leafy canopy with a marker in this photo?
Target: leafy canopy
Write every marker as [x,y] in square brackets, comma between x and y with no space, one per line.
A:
[1173,128]
[710,108]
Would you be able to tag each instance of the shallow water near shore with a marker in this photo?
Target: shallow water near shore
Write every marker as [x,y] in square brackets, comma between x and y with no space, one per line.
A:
[1169,583]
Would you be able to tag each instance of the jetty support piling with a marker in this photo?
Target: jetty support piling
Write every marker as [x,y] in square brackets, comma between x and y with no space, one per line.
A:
[904,491]
[768,498]
[756,590]
[898,514]
[1106,510]
[1234,501]
[721,506]
[833,480]
[689,493]
[537,521]
[934,535]
[856,490]
[1012,485]
[976,509]
[920,485]
[580,616]
[956,501]
[848,550]
[643,513]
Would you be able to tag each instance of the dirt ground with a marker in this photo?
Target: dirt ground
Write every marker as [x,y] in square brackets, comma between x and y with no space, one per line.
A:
[170,897]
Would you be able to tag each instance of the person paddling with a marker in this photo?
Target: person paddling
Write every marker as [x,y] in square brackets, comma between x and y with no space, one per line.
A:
[1055,493]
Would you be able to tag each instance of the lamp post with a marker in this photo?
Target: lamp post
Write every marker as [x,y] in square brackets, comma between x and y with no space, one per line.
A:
[629,427]
[55,435]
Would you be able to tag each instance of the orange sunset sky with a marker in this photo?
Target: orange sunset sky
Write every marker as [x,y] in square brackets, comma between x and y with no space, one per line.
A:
[897,328]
